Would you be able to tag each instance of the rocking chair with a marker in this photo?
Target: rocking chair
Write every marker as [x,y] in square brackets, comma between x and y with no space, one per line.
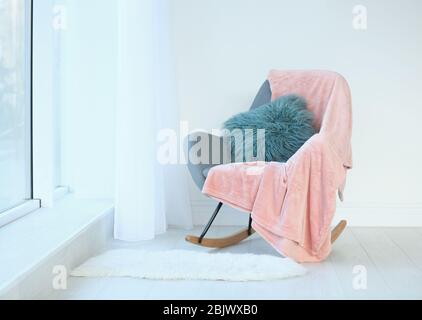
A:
[200,171]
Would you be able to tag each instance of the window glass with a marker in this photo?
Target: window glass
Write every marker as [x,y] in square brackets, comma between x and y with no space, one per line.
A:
[15,103]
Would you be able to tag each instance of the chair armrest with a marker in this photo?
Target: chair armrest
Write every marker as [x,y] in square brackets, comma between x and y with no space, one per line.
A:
[204,151]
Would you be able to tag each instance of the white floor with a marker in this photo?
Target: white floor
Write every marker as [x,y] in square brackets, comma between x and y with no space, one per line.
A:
[391,257]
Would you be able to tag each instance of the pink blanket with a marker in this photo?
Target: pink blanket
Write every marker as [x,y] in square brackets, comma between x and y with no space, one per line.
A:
[293,203]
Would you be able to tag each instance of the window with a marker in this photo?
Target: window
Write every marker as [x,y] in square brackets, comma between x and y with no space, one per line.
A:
[15,103]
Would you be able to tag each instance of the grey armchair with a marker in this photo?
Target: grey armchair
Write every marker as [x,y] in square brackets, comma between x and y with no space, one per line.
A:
[199,172]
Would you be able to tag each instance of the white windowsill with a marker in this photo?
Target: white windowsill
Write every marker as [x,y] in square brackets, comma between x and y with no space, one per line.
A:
[27,242]
[19,211]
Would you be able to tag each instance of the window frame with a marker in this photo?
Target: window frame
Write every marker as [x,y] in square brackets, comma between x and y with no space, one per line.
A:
[31,204]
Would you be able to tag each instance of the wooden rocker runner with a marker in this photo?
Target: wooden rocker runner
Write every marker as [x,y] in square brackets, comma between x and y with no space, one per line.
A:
[242,235]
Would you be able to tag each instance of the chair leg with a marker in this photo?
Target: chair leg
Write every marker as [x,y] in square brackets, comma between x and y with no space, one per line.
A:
[220,242]
[207,227]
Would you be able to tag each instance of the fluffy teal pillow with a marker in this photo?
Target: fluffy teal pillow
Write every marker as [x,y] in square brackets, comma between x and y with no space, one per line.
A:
[287,124]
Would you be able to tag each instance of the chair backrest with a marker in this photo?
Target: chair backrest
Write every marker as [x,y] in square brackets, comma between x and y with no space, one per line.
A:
[263,96]
[314,85]
[328,97]
[300,87]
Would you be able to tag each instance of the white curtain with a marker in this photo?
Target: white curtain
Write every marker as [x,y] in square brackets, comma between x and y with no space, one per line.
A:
[149,196]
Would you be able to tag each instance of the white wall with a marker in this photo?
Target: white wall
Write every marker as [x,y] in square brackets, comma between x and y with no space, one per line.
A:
[75,68]
[224,49]
[89,97]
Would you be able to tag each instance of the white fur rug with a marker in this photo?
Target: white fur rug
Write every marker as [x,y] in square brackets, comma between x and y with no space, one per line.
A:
[188,265]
